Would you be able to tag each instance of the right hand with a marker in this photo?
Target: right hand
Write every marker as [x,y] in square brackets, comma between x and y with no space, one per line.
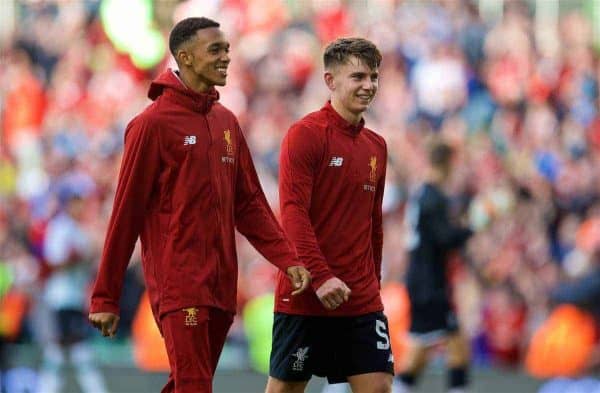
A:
[106,322]
[333,292]
[300,278]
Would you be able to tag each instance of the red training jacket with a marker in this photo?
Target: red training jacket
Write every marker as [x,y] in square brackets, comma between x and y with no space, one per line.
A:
[331,182]
[186,180]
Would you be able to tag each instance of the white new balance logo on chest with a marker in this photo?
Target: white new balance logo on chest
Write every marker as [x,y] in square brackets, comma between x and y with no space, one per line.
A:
[189,140]
[336,161]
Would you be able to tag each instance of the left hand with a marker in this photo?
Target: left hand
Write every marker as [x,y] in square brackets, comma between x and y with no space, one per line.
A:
[300,278]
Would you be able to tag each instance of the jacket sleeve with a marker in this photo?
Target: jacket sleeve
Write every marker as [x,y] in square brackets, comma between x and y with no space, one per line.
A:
[300,155]
[377,222]
[254,218]
[438,226]
[139,168]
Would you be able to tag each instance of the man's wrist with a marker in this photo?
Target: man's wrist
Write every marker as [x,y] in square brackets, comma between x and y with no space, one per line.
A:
[98,306]
[320,280]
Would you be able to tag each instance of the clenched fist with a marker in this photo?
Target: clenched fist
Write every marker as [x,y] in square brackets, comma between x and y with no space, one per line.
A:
[333,292]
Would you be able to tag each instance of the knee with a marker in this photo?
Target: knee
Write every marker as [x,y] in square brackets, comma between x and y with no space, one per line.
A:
[458,359]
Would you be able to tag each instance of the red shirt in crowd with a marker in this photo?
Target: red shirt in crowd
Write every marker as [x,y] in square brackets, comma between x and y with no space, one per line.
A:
[332,176]
[186,181]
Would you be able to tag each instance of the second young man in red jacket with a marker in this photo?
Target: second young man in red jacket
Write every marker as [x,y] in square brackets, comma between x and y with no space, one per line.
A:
[332,176]
[186,181]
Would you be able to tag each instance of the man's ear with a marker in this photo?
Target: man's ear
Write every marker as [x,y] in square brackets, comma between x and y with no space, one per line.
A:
[328,77]
[184,58]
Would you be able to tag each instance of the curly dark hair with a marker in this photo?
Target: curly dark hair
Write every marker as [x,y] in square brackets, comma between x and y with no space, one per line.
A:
[339,52]
[186,29]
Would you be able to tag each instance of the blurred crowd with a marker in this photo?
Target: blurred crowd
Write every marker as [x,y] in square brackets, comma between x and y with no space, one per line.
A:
[514,93]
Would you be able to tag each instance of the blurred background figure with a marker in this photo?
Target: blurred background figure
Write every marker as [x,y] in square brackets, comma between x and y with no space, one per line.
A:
[511,85]
[68,252]
[434,236]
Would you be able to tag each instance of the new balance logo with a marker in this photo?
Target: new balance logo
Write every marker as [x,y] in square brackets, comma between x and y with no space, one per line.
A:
[189,140]
[301,356]
[336,161]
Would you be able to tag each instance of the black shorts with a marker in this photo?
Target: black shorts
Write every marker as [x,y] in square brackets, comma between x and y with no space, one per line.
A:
[432,321]
[73,326]
[332,347]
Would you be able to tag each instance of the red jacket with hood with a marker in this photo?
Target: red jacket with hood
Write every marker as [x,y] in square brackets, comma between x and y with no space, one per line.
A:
[186,181]
[331,183]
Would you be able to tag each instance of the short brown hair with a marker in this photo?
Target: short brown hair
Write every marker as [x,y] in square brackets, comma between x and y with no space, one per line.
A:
[339,52]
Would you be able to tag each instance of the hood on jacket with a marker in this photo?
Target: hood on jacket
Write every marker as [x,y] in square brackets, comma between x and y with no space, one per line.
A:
[169,84]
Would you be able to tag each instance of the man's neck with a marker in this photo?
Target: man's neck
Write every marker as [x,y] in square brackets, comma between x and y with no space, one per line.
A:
[192,82]
[435,177]
[350,117]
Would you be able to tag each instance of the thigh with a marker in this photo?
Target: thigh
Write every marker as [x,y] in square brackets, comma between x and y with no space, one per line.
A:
[371,383]
[275,385]
[219,323]
[187,338]
[365,347]
[295,353]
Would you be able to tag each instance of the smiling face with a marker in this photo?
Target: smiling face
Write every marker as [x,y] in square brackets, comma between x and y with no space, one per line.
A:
[206,56]
[353,85]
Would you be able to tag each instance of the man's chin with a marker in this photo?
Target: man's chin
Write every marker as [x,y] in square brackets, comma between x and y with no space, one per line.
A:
[361,108]
[221,82]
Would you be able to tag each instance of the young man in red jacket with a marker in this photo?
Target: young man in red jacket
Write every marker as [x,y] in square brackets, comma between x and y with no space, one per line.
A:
[332,176]
[186,180]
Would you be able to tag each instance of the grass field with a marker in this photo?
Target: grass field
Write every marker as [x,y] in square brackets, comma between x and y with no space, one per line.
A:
[123,380]
[233,377]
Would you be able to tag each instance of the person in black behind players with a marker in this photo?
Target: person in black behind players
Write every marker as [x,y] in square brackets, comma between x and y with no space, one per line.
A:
[432,235]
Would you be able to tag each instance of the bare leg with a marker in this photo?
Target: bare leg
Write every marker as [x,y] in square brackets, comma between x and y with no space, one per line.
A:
[275,385]
[371,383]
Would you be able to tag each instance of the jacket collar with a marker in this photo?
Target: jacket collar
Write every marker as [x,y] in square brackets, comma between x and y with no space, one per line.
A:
[341,123]
[169,85]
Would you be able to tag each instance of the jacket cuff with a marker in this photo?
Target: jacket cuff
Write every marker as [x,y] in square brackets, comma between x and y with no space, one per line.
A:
[320,279]
[99,305]
[289,262]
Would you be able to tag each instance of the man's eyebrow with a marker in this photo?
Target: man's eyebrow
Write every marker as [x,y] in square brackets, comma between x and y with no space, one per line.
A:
[219,44]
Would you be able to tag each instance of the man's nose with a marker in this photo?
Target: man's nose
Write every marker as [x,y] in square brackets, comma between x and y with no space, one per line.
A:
[369,85]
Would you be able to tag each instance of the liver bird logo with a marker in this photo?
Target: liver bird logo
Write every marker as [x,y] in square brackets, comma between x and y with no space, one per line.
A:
[191,316]
[228,142]
[301,354]
[373,166]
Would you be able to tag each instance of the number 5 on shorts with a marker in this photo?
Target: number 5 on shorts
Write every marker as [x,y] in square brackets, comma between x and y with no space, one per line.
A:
[381,331]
